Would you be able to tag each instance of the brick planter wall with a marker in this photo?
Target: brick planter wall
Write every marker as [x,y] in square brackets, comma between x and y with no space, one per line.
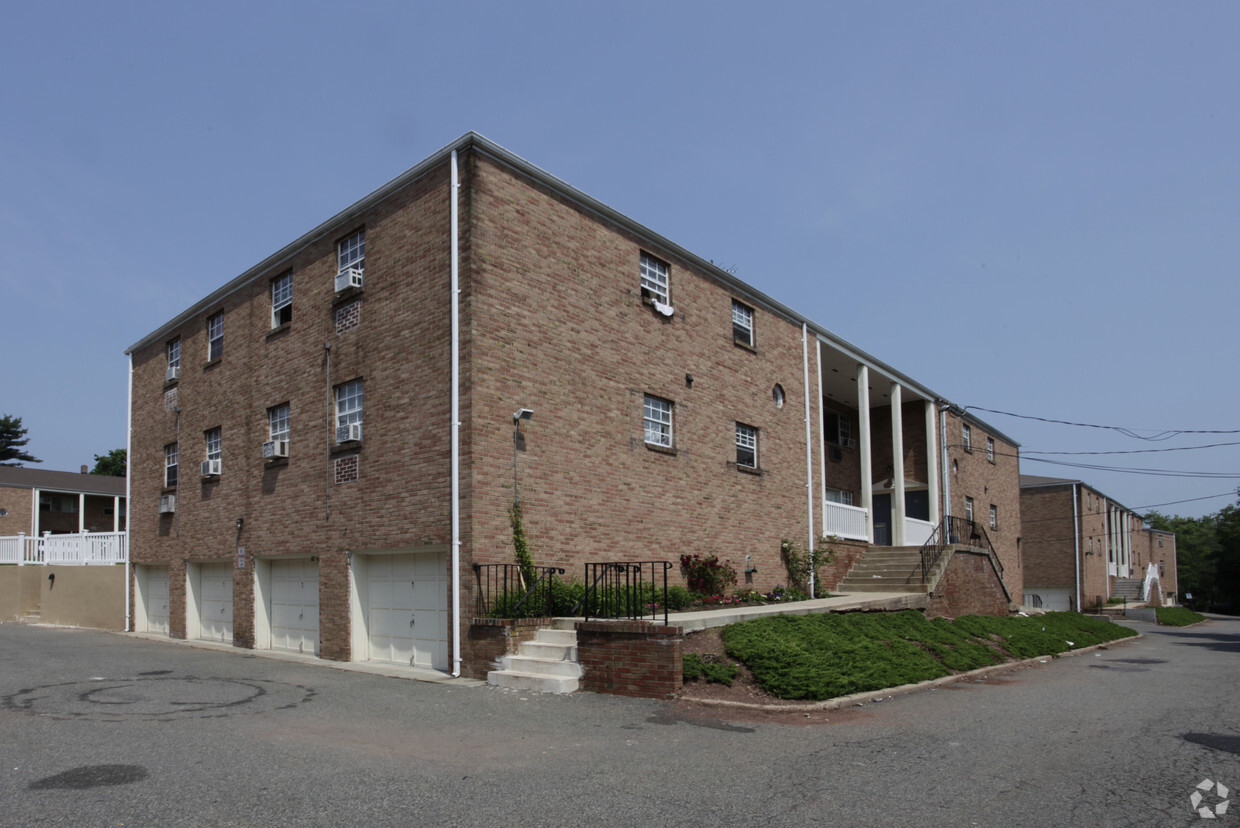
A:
[490,639]
[846,555]
[630,658]
[970,586]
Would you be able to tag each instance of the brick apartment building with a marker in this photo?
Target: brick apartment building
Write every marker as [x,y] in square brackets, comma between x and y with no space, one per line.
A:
[1081,546]
[293,448]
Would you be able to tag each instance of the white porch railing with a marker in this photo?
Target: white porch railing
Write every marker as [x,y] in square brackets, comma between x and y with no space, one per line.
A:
[1151,578]
[844,521]
[65,550]
[917,532]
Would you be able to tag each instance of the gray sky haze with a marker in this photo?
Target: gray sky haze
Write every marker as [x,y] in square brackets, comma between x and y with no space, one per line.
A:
[1028,207]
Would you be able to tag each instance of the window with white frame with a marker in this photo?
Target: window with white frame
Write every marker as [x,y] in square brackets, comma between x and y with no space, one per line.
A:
[348,406]
[214,441]
[282,300]
[966,437]
[742,324]
[215,336]
[968,509]
[994,516]
[658,421]
[278,422]
[837,428]
[746,446]
[841,496]
[174,358]
[654,279]
[170,465]
[351,252]
[990,449]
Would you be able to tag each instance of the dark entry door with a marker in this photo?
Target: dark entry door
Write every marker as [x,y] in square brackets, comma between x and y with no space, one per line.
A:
[882,519]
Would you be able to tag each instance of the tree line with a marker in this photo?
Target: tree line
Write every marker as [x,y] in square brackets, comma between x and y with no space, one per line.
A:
[1208,557]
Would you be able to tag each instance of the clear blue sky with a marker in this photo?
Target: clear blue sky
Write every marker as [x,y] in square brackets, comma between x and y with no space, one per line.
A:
[1028,207]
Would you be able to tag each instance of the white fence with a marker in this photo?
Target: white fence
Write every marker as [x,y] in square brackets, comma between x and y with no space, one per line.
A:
[65,550]
[917,532]
[844,521]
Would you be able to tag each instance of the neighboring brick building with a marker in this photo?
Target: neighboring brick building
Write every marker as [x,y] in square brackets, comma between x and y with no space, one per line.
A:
[66,502]
[292,443]
[1078,544]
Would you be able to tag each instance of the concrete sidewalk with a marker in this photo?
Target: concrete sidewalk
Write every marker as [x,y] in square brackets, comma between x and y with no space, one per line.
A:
[878,601]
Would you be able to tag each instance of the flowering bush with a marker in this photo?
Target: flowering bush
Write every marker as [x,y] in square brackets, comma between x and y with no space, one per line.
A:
[707,576]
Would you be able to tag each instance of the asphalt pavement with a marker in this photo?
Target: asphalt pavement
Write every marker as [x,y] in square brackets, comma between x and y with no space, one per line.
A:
[104,729]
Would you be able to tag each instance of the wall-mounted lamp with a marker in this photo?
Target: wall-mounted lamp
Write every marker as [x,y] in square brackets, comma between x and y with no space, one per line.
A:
[240,521]
[517,417]
[688,380]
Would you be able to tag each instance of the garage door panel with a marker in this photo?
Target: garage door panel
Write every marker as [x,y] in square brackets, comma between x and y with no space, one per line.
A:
[157,612]
[295,606]
[215,606]
[406,594]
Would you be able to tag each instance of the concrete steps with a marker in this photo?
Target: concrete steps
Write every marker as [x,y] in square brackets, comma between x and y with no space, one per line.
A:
[886,569]
[547,664]
[1129,589]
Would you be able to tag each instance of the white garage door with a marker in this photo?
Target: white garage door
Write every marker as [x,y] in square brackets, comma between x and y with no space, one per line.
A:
[295,606]
[215,604]
[407,609]
[157,599]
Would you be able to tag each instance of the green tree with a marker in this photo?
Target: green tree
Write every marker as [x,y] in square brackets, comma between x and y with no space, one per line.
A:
[1208,555]
[111,464]
[12,439]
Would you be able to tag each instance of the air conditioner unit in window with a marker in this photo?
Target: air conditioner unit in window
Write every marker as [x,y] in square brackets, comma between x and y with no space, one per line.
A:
[167,504]
[352,277]
[349,433]
[275,448]
[174,371]
[211,468]
[849,443]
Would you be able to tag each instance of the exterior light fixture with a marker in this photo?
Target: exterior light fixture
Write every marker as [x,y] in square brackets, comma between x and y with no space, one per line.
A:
[519,415]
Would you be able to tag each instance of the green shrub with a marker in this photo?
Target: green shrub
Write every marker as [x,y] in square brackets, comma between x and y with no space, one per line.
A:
[1177,616]
[678,598]
[711,668]
[707,575]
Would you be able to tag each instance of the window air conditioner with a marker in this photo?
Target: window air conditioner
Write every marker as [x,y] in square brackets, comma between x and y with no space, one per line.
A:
[350,433]
[167,504]
[850,443]
[351,277]
[174,371]
[275,448]
[210,468]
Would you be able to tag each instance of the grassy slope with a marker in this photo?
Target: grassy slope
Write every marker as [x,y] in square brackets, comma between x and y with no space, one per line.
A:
[825,656]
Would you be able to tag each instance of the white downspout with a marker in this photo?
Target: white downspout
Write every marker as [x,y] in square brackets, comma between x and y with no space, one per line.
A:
[809,454]
[822,439]
[1076,542]
[945,471]
[128,486]
[456,431]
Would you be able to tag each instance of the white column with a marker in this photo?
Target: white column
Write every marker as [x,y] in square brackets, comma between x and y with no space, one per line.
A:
[897,466]
[116,513]
[82,511]
[867,460]
[34,513]
[932,462]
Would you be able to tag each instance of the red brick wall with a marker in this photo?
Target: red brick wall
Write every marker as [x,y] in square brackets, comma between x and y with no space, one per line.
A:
[490,639]
[630,658]
[293,507]
[972,474]
[19,520]
[846,555]
[969,586]
[557,325]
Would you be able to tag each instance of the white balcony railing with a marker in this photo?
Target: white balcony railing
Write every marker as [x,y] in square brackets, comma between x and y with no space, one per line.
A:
[844,521]
[917,532]
[66,550]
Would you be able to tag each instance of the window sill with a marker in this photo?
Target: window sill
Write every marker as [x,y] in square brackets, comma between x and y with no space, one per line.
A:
[279,330]
[170,384]
[750,470]
[346,448]
[209,364]
[168,490]
[275,462]
[745,346]
[657,449]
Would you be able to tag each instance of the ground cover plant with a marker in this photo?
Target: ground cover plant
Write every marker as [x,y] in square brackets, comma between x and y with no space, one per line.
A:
[1177,616]
[814,657]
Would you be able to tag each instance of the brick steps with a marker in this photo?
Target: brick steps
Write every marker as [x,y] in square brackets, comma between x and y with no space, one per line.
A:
[547,664]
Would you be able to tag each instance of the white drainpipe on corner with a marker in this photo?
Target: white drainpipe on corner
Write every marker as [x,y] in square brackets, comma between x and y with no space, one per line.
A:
[456,431]
[128,487]
[1076,544]
[809,452]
